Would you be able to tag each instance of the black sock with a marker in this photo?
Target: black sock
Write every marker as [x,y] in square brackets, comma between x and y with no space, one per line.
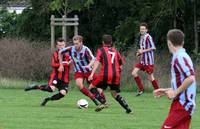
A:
[45,88]
[56,96]
[96,102]
[95,92]
[122,102]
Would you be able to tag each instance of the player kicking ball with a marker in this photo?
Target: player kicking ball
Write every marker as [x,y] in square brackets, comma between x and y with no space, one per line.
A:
[111,65]
[82,59]
[183,84]
[58,80]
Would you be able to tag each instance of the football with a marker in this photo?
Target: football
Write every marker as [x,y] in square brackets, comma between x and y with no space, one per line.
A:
[82,103]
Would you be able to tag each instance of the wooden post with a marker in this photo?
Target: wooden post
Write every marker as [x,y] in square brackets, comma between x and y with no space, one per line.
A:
[64,31]
[76,27]
[64,22]
[52,33]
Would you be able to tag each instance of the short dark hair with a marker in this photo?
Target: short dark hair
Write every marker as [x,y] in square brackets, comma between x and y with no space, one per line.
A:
[107,39]
[144,24]
[60,40]
[78,37]
[176,36]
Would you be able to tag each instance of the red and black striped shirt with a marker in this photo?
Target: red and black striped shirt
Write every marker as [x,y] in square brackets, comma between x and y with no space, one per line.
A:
[64,76]
[110,60]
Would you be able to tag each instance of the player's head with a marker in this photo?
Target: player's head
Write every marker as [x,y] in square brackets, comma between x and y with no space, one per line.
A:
[143,28]
[78,41]
[175,38]
[107,39]
[60,43]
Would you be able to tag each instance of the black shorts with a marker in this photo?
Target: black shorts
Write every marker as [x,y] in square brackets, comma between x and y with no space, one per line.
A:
[112,87]
[61,85]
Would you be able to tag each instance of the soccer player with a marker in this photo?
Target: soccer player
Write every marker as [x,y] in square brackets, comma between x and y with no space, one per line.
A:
[58,80]
[83,59]
[146,57]
[183,84]
[111,65]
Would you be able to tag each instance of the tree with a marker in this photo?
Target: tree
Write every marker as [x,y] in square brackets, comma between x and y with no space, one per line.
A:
[195,27]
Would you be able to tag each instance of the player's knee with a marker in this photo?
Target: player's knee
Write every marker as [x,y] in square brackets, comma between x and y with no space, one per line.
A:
[114,93]
[151,77]
[53,88]
[79,84]
[134,73]
[63,92]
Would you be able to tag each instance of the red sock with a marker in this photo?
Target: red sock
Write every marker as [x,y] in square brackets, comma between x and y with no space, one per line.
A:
[86,92]
[139,83]
[155,84]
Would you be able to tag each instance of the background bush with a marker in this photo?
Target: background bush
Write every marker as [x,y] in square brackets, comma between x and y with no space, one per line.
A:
[25,60]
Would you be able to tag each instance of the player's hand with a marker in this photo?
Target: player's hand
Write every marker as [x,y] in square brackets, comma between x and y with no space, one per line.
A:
[90,78]
[87,66]
[171,94]
[120,68]
[140,51]
[159,92]
[61,68]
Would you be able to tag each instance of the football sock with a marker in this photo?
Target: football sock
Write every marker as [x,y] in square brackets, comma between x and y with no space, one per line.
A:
[139,83]
[97,95]
[122,102]
[103,97]
[155,84]
[45,88]
[56,96]
[86,92]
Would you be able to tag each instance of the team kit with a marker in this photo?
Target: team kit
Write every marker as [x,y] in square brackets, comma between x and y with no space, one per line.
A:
[183,85]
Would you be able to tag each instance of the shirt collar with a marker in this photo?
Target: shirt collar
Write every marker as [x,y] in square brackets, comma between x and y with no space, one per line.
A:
[179,51]
[105,45]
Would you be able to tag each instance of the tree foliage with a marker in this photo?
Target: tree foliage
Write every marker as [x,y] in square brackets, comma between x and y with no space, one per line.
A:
[119,18]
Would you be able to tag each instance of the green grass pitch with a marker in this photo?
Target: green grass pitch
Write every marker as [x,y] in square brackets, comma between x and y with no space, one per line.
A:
[21,110]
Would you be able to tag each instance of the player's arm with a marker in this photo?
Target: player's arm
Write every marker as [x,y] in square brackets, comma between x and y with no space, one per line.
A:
[186,83]
[96,65]
[151,43]
[184,65]
[54,61]
[67,61]
[90,56]
[120,60]
[60,57]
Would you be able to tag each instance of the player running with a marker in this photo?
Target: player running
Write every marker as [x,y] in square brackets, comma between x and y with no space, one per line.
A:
[58,80]
[183,84]
[146,55]
[111,65]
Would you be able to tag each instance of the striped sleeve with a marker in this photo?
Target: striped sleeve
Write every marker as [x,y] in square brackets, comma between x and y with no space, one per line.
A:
[54,60]
[185,66]
[64,50]
[89,54]
[150,41]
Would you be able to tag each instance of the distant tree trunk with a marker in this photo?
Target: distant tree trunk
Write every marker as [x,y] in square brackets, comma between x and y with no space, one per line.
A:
[195,27]
[174,13]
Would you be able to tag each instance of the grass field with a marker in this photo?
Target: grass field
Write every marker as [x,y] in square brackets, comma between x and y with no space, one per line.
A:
[21,110]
